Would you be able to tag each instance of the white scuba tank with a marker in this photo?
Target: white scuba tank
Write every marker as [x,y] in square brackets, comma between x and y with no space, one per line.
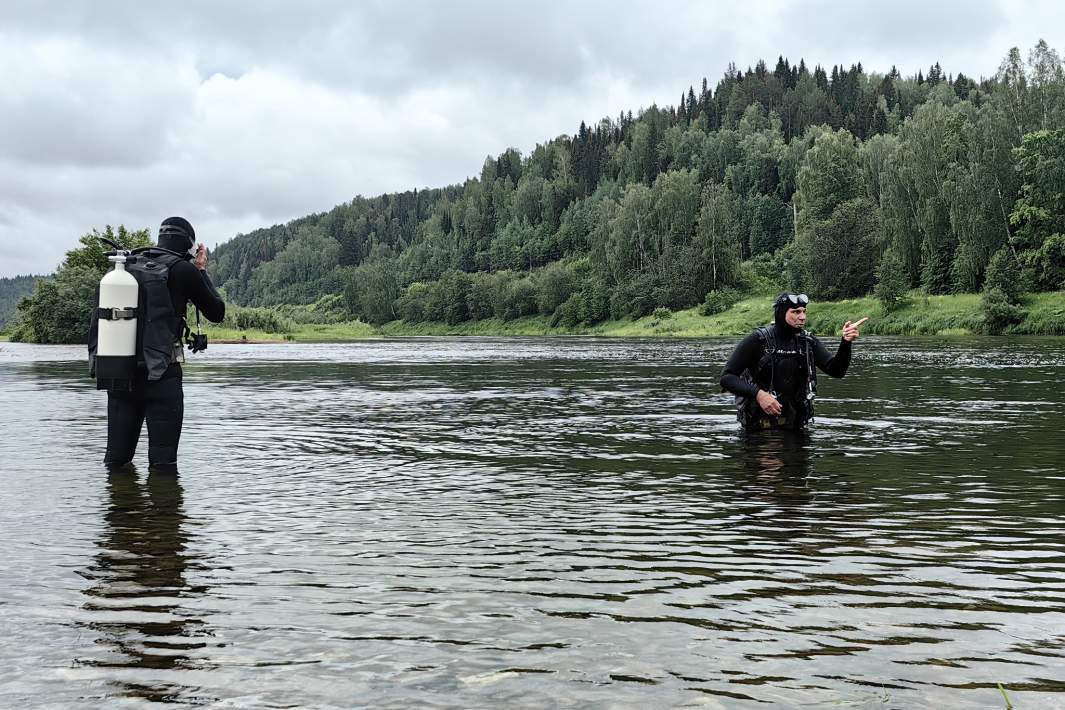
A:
[116,350]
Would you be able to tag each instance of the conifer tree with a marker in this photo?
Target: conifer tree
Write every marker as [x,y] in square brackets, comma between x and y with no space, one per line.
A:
[820,79]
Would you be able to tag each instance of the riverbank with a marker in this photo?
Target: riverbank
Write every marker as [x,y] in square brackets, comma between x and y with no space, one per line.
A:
[952,315]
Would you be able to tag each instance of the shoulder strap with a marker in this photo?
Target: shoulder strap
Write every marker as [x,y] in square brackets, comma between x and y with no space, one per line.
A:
[769,343]
[159,252]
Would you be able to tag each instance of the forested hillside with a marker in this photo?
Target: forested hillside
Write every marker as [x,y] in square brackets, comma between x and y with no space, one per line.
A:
[831,181]
[13,290]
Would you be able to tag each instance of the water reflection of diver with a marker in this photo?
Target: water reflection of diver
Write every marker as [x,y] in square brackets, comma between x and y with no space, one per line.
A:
[775,490]
[135,352]
[773,371]
[139,581]
[786,455]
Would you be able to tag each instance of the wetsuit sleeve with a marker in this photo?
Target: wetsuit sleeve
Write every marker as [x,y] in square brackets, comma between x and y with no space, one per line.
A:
[744,357]
[198,289]
[834,365]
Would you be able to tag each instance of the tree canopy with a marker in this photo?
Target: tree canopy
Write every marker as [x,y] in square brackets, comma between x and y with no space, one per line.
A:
[823,171]
[835,181]
[59,308]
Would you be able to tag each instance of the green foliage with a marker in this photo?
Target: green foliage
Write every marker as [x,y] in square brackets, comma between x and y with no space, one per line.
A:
[327,310]
[999,312]
[1044,314]
[837,255]
[485,296]
[1002,293]
[802,175]
[267,320]
[830,175]
[59,308]
[891,282]
[1044,268]
[770,223]
[449,300]
[762,274]
[719,301]
[92,254]
[839,228]
[950,315]
[58,311]
[554,286]
[1040,210]
[370,290]
[413,304]
[1039,213]
[518,299]
[303,271]
[590,304]
[13,290]
[1004,275]
[718,234]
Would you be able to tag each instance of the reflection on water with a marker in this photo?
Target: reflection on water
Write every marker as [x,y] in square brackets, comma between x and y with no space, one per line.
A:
[780,460]
[136,602]
[540,523]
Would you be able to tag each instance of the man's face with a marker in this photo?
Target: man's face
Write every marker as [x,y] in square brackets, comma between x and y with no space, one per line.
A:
[796,317]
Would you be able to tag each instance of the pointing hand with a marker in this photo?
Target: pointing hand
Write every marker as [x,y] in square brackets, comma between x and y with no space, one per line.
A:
[850,330]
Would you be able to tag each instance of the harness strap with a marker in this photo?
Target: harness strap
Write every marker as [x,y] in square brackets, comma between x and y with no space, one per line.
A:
[769,350]
[116,313]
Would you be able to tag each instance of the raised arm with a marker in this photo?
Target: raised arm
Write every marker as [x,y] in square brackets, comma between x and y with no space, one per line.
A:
[832,365]
[199,289]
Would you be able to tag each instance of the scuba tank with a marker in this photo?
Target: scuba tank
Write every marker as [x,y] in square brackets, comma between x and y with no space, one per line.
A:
[116,347]
[135,331]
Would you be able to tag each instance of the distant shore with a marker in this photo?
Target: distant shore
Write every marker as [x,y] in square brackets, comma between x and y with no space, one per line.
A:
[952,315]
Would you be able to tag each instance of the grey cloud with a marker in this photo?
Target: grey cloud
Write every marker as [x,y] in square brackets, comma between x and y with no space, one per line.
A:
[396,47]
[912,34]
[244,114]
[71,103]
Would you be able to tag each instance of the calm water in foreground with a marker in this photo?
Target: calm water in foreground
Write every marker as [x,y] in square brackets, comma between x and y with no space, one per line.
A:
[539,523]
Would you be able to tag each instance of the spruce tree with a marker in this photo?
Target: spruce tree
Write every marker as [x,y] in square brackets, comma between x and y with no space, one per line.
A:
[820,79]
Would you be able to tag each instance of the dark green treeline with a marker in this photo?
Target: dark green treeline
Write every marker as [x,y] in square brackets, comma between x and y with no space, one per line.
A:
[13,290]
[837,182]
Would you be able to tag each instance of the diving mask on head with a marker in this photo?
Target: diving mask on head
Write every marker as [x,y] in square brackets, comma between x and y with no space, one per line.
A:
[794,300]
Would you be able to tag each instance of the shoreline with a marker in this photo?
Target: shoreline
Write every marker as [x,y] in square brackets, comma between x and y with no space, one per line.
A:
[921,315]
[953,315]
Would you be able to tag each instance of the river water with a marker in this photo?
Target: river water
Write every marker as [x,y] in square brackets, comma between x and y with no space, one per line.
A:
[532,523]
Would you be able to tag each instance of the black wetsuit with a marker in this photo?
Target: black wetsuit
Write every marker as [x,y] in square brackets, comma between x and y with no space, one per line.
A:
[160,402]
[785,374]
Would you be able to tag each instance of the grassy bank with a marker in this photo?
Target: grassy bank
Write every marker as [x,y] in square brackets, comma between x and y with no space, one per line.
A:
[921,315]
[304,332]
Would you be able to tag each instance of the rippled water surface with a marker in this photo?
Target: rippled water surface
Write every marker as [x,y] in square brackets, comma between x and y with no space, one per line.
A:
[539,523]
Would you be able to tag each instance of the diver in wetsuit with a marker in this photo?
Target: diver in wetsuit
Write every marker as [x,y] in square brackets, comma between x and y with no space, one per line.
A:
[773,371]
[155,394]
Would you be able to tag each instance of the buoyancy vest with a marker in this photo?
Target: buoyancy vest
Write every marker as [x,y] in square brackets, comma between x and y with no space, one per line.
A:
[159,328]
[797,357]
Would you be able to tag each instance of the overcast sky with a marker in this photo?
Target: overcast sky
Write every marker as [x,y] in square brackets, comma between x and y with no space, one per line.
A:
[239,115]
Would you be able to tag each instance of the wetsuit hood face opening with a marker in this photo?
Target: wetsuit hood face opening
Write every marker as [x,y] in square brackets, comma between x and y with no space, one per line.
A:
[781,305]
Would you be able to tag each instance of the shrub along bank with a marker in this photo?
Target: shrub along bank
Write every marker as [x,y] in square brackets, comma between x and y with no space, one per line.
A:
[725,313]
[915,314]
